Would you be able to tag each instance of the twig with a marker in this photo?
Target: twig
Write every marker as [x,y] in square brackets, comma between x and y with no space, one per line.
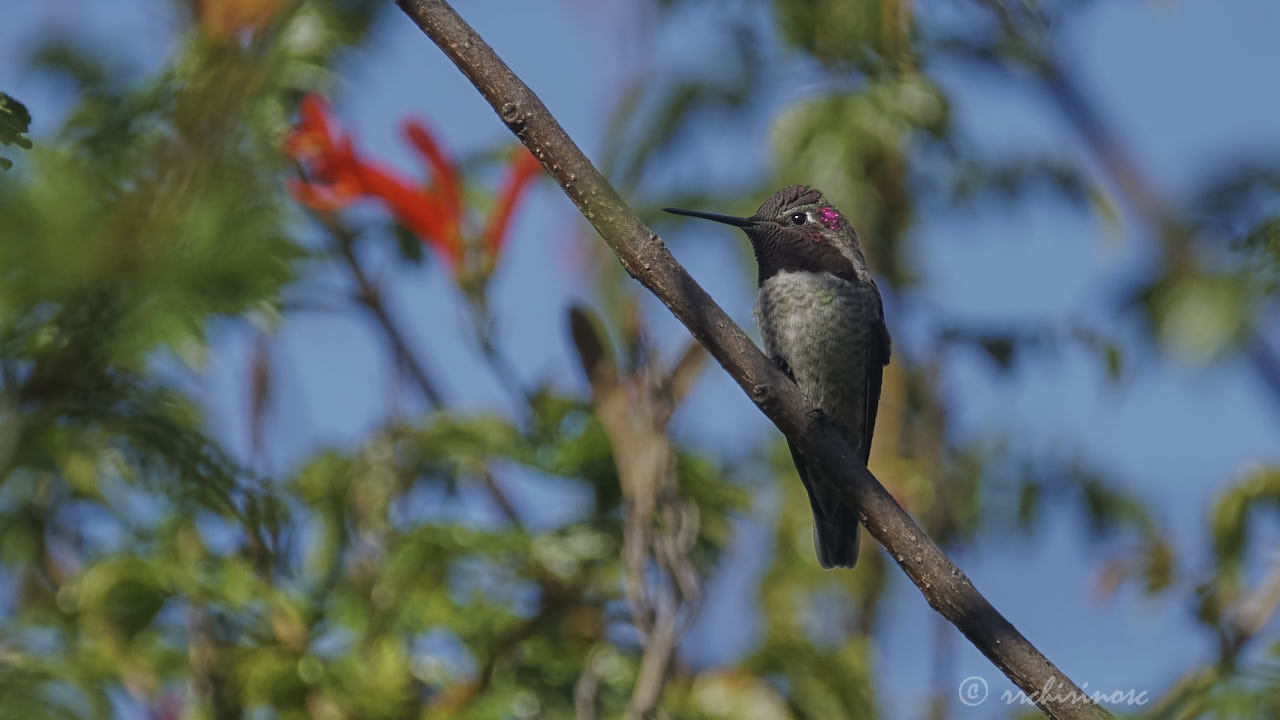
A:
[1243,621]
[645,257]
[1076,107]
[684,372]
[500,497]
[1251,613]
[584,691]
[371,298]
[659,528]
[503,372]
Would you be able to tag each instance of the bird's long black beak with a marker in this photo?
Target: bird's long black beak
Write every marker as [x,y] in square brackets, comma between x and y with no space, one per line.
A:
[726,219]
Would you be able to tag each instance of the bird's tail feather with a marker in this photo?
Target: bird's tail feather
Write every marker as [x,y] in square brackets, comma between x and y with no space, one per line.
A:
[835,528]
[836,538]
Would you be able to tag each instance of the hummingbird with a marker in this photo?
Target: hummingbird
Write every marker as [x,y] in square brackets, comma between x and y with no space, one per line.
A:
[822,323]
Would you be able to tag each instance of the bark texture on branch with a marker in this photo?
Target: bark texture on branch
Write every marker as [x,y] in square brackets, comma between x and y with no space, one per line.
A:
[647,259]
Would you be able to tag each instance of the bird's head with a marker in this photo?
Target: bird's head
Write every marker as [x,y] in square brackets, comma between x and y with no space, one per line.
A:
[797,230]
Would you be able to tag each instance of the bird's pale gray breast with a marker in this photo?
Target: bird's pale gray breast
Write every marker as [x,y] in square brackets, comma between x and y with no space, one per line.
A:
[820,325]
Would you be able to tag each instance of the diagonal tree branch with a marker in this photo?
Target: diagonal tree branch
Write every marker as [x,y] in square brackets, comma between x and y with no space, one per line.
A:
[647,259]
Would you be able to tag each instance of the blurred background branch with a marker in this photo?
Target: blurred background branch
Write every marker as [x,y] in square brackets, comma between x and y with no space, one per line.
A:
[1026,30]
[369,296]
[659,528]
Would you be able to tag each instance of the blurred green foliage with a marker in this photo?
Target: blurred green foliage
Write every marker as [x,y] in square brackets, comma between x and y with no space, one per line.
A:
[15,122]
[147,573]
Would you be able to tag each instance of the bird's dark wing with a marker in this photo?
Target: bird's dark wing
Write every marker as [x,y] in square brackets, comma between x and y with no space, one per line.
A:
[801,468]
[781,363]
[835,527]
[878,349]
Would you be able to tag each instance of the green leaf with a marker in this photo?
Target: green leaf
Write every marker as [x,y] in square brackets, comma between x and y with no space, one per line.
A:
[15,122]
[1233,514]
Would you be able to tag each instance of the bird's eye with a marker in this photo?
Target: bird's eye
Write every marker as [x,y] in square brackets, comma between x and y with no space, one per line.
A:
[799,218]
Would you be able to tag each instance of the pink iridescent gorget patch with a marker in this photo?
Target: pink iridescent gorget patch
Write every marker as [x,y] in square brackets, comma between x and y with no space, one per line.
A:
[830,217]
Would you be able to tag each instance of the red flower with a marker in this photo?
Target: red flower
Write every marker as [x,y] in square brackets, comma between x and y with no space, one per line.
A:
[231,19]
[446,174]
[423,213]
[327,156]
[524,166]
[338,177]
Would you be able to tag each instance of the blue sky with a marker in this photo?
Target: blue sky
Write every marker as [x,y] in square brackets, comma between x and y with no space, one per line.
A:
[1181,82]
